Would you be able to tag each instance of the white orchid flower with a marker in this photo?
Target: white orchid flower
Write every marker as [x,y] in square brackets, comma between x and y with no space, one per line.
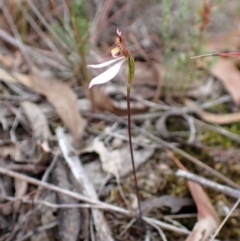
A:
[109,73]
[120,50]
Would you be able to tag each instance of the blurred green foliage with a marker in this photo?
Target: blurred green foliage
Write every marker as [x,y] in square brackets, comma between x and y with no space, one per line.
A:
[182,39]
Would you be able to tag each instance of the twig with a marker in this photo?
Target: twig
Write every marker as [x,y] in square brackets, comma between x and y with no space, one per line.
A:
[26,168]
[74,163]
[52,187]
[46,175]
[48,27]
[225,220]
[13,130]
[147,236]
[44,37]
[111,117]
[48,204]
[16,34]
[38,55]
[218,129]
[161,233]
[205,182]
[127,227]
[38,230]
[81,197]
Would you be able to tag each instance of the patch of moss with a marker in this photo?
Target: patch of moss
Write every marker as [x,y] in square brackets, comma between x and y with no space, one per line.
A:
[212,138]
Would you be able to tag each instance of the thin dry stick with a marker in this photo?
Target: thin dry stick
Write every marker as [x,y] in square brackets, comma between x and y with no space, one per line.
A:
[41,33]
[16,34]
[225,220]
[161,233]
[205,182]
[46,175]
[39,55]
[26,199]
[81,197]
[76,168]
[48,27]
[168,145]
[38,230]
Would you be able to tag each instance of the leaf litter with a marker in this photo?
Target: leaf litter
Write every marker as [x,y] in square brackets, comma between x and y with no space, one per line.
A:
[29,143]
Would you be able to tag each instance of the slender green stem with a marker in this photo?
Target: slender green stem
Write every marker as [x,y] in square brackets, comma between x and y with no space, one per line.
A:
[131,149]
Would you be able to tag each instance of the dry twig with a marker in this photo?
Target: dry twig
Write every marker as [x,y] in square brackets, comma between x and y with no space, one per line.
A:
[81,197]
[74,163]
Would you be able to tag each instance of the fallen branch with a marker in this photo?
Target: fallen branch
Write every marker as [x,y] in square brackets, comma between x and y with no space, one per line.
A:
[207,183]
[76,168]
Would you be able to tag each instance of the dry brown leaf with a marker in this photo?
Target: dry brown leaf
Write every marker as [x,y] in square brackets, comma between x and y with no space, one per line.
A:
[64,101]
[95,171]
[203,229]
[15,78]
[37,120]
[229,40]
[58,94]
[140,157]
[10,149]
[118,162]
[41,131]
[148,79]
[6,60]
[146,73]
[102,102]
[175,204]
[213,118]
[111,160]
[227,71]
[208,220]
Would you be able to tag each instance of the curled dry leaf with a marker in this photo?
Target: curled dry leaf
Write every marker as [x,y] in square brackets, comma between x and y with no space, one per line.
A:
[58,94]
[37,120]
[227,71]
[175,204]
[40,129]
[111,160]
[213,118]
[208,220]
[140,157]
[95,173]
[117,162]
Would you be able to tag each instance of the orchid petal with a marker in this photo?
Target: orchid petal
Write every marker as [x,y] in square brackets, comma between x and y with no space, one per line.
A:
[106,75]
[118,32]
[97,66]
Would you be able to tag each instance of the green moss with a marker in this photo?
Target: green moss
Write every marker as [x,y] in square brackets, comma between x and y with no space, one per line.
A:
[212,138]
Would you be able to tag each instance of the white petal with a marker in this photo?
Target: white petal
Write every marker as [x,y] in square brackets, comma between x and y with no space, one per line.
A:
[118,32]
[97,66]
[106,75]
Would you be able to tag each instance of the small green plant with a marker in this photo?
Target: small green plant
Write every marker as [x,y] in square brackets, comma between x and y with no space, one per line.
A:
[76,35]
[182,32]
[121,54]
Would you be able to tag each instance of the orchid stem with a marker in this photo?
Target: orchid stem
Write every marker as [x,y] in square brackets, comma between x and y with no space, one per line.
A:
[131,149]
